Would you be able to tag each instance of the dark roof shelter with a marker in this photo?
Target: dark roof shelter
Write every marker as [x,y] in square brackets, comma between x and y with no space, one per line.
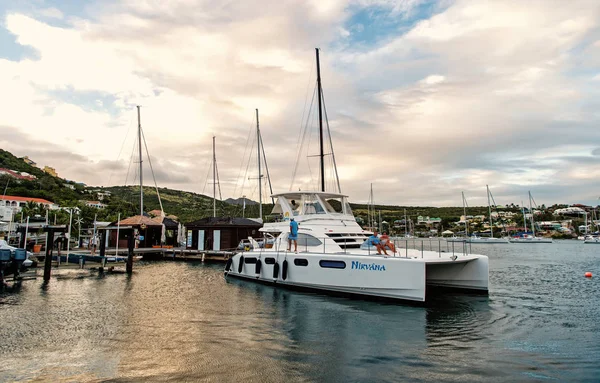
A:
[220,233]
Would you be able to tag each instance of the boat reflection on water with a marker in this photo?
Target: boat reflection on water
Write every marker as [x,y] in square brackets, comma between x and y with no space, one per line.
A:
[341,339]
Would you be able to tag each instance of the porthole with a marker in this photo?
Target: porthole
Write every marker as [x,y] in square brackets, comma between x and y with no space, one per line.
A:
[332,264]
[301,262]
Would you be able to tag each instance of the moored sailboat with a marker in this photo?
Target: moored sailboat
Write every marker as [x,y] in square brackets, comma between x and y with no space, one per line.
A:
[491,239]
[527,238]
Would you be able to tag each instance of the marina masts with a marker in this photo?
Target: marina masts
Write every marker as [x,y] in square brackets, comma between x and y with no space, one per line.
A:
[490,211]
[531,212]
[319,96]
[464,201]
[258,141]
[140,150]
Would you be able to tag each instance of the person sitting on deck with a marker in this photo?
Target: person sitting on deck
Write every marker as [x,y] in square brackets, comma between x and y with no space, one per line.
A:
[374,241]
[386,242]
[293,236]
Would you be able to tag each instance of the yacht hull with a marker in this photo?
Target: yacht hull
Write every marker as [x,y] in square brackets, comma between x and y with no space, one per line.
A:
[370,277]
[529,240]
[488,240]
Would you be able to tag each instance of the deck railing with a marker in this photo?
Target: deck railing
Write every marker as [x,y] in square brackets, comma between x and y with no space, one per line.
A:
[402,246]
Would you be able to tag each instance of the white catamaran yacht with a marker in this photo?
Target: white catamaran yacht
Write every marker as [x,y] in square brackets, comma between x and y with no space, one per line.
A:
[332,256]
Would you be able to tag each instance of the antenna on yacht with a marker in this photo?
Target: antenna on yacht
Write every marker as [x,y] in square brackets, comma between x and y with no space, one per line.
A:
[319,96]
[140,150]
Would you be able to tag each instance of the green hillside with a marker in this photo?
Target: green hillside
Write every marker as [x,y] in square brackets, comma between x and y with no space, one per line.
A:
[187,206]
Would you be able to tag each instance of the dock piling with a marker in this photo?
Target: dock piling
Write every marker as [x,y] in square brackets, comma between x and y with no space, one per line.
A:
[48,259]
[130,246]
[103,249]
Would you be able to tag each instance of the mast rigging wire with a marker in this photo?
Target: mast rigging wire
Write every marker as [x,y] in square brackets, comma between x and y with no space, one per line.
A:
[337,177]
[152,170]
[301,141]
[122,146]
[244,157]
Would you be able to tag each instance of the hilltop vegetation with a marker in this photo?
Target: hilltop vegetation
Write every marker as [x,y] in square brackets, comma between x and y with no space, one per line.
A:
[188,206]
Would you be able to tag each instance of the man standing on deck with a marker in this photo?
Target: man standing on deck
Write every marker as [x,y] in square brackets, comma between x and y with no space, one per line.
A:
[293,236]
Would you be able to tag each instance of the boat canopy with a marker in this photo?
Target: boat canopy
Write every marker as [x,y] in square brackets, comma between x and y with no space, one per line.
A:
[309,203]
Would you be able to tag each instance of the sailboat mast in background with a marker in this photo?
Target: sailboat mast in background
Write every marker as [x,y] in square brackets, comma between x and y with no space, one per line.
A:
[140,150]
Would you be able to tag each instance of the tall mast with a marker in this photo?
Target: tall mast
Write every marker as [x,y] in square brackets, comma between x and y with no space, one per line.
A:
[531,212]
[259,174]
[214,180]
[140,148]
[465,214]
[524,218]
[490,211]
[372,223]
[319,92]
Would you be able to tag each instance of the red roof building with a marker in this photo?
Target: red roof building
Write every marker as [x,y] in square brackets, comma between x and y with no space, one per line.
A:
[18,202]
[17,175]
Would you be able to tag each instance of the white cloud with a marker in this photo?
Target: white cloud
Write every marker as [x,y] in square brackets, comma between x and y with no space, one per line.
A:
[468,97]
[51,13]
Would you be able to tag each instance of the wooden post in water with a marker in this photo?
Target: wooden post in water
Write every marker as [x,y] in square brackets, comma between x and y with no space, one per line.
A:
[130,246]
[102,249]
[48,260]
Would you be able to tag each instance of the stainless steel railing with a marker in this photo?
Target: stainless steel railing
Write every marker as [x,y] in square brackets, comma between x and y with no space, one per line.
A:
[403,246]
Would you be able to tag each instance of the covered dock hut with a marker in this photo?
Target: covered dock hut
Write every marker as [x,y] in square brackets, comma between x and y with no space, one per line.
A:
[149,230]
[171,230]
[220,233]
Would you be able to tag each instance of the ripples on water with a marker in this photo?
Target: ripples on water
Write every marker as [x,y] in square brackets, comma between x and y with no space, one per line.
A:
[184,322]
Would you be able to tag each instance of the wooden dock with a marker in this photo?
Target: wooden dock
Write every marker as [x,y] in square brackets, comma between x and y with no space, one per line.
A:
[157,254]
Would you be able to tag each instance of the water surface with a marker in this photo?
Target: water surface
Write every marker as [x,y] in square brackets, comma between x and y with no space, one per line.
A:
[184,322]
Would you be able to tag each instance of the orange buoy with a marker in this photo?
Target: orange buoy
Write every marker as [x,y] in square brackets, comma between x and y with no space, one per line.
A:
[588,274]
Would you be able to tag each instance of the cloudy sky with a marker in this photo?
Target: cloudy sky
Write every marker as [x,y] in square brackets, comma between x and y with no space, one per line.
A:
[425,99]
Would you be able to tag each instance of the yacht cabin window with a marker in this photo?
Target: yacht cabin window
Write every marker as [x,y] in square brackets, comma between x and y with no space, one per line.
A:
[308,240]
[312,205]
[337,205]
